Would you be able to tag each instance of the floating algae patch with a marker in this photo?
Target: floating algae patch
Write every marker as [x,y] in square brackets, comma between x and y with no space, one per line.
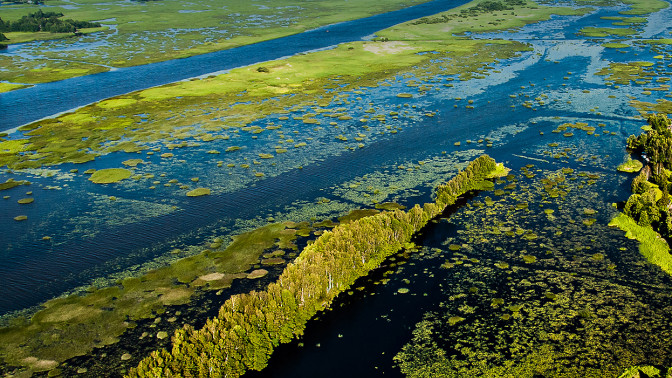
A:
[258,273]
[592,31]
[74,325]
[122,211]
[615,45]
[386,184]
[132,162]
[389,206]
[357,214]
[109,175]
[624,73]
[11,183]
[198,192]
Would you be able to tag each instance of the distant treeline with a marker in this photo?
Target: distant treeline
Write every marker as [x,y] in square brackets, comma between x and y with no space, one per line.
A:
[34,2]
[649,204]
[249,326]
[486,6]
[45,22]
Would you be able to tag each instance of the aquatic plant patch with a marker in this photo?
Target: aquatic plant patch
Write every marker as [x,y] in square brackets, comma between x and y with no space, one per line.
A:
[534,288]
[74,325]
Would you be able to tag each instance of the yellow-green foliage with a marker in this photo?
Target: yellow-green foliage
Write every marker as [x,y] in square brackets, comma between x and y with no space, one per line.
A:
[644,371]
[652,246]
[623,73]
[642,7]
[444,25]
[109,175]
[13,146]
[592,31]
[11,183]
[630,166]
[198,192]
[660,106]
[6,87]
[615,45]
[249,326]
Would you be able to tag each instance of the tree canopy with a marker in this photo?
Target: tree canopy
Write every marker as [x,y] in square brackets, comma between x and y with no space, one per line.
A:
[45,22]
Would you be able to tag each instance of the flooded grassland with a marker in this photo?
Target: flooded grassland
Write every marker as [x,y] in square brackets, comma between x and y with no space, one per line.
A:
[529,284]
[142,32]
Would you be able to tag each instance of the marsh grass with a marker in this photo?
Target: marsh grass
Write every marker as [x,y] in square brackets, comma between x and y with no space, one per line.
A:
[177,30]
[654,248]
[74,325]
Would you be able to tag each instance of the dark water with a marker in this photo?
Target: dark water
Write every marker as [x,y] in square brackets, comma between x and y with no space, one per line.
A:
[21,107]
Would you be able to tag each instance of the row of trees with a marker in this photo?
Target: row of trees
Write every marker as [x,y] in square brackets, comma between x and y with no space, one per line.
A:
[649,205]
[249,326]
[45,22]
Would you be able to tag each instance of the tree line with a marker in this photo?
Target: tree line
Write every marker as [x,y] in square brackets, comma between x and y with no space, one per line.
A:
[649,205]
[249,326]
[44,22]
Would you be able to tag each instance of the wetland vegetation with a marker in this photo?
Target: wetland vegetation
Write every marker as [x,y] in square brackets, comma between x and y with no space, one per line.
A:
[176,30]
[216,183]
[249,326]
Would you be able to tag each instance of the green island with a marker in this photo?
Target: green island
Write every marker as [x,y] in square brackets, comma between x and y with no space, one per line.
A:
[540,283]
[109,175]
[249,326]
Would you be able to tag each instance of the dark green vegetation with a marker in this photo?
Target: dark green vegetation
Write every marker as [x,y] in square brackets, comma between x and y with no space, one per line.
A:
[649,204]
[45,22]
[10,183]
[250,326]
[110,175]
[646,215]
